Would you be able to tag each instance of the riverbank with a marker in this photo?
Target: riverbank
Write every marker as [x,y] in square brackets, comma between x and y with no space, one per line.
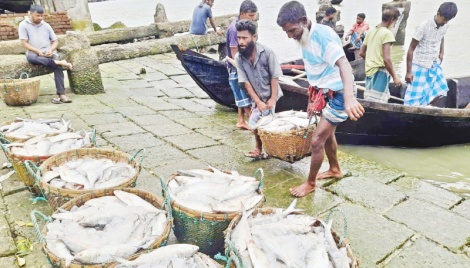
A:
[393,220]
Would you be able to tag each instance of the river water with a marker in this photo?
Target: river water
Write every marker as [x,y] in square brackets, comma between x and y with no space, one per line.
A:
[446,166]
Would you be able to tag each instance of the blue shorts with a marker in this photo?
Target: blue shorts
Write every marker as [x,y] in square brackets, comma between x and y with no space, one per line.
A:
[241,98]
[335,112]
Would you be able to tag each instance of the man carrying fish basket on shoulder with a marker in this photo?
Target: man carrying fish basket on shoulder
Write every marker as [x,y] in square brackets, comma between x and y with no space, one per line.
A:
[258,73]
[331,89]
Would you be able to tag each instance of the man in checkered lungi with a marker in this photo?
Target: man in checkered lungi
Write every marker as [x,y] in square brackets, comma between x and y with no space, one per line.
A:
[425,54]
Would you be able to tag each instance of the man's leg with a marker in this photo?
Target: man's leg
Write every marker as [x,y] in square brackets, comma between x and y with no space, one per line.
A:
[331,150]
[241,100]
[322,133]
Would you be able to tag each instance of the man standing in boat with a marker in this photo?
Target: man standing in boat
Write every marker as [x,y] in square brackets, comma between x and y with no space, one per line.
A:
[258,73]
[200,15]
[248,10]
[424,58]
[376,52]
[357,31]
[330,76]
[38,37]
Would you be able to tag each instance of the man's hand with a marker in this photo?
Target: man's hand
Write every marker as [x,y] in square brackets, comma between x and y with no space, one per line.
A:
[48,54]
[41,53]
[409,77]
[219,32]
[270,104]
[358,38]
[353,108]
[396,81]
[310,110]
[261,106]
[346,38]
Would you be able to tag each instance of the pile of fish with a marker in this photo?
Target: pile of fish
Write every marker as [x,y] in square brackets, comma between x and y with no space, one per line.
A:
[214,191]
[105,229]
[24,129]
[89,173]
[286,239]
[178,255]
[285,121]
[44,145]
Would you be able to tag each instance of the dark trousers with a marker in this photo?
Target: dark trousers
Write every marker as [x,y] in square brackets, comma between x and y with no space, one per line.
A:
[33,58]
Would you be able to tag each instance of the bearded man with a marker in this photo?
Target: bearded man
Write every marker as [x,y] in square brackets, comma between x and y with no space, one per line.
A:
[330,76]
[258,73]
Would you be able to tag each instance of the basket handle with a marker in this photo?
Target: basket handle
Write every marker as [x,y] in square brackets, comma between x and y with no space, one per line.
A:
[345,221]
[309,123]
[4,141]
[93,136]
[236,257]
[33,169]
[33,217]
[136,153]
[261,182]
[24,73]
[164,187]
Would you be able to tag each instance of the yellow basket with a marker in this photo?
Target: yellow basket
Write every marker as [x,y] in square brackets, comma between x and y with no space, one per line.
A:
[20,92]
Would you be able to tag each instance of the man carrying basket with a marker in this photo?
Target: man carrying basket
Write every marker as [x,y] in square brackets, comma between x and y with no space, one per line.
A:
[331,90]
[39,39]
[258,73]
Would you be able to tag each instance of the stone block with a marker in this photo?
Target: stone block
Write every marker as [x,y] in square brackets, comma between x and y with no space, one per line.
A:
[149,182]
[463,209]
[191,106]
[198,93]
[172,166]
[135,83]
[119,129]
[177,92]
[220,156]
[371,236]
[168,130]
[103,119]
[113,68]
[153,76]
[7,246]
[178,114]
[11,185]
[9,262]
[436,223]
[165,84]
[207,102]
[135,110]
[184,81]
[130,144]
[147,92]
[162,155]
[217,133]
[150,119]
[424,253]
[195,123]
[127,76]
[419,189]
[85,77]
[369,193]
[167,69]
[191,141]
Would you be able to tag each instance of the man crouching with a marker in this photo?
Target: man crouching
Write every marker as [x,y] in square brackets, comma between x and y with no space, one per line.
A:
[258,73]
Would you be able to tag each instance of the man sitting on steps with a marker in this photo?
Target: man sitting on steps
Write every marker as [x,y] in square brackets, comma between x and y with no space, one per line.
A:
[39,39]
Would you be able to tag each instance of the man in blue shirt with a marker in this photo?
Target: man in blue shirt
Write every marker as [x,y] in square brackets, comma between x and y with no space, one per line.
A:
[329,75]
[39,39]
[200,15]
[248,10]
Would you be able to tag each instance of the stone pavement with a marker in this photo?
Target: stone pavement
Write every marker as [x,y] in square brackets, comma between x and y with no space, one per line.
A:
[393,220]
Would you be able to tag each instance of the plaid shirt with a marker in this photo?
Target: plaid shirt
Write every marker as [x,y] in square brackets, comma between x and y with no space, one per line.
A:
[430,38]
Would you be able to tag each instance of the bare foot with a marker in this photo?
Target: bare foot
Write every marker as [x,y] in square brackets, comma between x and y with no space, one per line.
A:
[329,174]
[303,189]
[243,125]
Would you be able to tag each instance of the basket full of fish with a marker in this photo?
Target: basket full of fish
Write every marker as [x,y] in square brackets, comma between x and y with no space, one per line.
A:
[273,237]
[177,255]
[205,201]
[99,228]
[76,172]
[287,135]
[24,129]
[39,148]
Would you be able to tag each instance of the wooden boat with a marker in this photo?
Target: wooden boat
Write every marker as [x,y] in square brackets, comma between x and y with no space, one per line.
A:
[384,124]
[212,76]
[18,6]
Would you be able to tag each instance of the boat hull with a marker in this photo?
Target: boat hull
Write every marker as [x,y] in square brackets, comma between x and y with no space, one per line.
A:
[18,6]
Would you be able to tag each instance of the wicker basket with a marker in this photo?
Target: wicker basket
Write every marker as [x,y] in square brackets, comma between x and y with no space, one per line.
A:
[205,230]
[233,255]
[59,196]
[79,201]
[289,145]
[20,92]
[18,163]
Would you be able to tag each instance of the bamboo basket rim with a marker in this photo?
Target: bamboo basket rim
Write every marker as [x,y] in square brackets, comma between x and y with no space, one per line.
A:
[292,132]
[80,200]
[207,215]
[47,164]
[267,210]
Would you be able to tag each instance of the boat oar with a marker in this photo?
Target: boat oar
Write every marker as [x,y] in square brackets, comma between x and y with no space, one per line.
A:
[299,73]
[361,88]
